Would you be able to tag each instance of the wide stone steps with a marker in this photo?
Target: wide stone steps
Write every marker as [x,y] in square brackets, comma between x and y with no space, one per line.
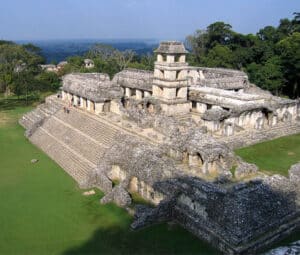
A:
[32,117]
[246,138]
[49,109]
[73,163]
[75,139]
[99,131]
[39,113]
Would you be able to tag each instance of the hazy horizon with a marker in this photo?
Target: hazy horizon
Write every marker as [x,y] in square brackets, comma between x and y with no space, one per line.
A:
[33,20]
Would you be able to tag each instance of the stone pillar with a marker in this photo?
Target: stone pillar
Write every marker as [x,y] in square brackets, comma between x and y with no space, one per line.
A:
[169,93]
[92,106]
[201,108]
[228,129]
[139,94]
[99,108]
[128,92]
[170,58]
[88,105]
[115,107]
[193,160]
[274,120]
[75,100]
[182,59]
[182,93]
[160,58]
[63,95]
[69,97]
[81,102]
[259,123]
[84,103]
[147,94]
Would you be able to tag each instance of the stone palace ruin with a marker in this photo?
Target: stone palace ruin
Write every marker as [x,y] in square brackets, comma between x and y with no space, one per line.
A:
[169,136]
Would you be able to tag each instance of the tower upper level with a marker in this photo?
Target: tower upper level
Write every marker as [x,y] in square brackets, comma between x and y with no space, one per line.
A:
[171,52]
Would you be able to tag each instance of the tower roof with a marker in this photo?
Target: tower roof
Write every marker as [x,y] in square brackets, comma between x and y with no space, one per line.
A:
[171,47]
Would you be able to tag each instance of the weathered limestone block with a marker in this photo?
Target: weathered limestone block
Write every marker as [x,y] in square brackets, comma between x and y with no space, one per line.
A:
[287,116]
[259,123]
[157,91]
[160,58]
[118,195]
[145,215]
[182,58]
[201,108]
[115,107]
[139,94]
[245,169]
[158,74]
[147,94]
[128,92]
[182,93]
[103,182]
[294,174]
[176,108]
[228,129]
[170,58]
[170,75]
[169,93]
[75,100]
[63,95]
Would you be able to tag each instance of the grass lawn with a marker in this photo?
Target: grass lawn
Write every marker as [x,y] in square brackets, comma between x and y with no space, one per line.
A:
[274,156]
[43,212]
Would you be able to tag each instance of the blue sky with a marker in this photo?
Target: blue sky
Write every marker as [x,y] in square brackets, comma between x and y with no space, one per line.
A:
[128,19]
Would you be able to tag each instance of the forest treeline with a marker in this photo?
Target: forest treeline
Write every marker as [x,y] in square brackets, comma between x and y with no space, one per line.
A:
[271,58]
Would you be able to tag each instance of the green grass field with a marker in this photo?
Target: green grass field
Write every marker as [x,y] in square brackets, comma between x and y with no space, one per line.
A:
[274,156]
[43,212]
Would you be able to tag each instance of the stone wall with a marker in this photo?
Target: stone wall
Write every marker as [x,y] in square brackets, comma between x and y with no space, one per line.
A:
[237,218]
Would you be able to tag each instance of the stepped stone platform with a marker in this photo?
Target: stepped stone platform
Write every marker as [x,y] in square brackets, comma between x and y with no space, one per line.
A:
[169,136]
[96,149]
[74,140]
[250,137]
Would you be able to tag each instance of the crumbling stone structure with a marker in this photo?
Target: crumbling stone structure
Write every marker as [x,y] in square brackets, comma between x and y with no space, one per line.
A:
[168,136]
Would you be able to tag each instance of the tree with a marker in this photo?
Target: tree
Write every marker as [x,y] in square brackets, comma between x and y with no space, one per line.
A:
[268,34]
[123,58]
[289,51]
[99,50]
[219,33]
[220,56]
[197,43]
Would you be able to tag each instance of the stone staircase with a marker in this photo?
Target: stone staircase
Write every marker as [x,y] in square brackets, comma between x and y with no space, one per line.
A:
[74,140]
[183,117]
[97,129]
[246,138]
[38,114]
[75,165]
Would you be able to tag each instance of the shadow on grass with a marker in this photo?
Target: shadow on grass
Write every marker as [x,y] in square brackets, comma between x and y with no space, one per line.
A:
[12,102]
[158,239]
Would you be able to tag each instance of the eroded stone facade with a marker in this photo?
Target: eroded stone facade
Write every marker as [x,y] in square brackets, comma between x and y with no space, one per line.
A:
[168,136]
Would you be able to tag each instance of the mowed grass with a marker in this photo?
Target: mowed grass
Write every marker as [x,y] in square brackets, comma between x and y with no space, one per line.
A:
[276,156]
[42,211]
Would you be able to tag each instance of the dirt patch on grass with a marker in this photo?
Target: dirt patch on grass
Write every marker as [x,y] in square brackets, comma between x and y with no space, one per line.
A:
[5,119]
[290,153]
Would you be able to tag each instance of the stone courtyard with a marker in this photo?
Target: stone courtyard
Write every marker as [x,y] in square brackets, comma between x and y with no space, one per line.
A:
[169,136]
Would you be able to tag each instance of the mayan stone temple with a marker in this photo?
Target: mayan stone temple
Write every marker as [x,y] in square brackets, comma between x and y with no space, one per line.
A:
[169,136]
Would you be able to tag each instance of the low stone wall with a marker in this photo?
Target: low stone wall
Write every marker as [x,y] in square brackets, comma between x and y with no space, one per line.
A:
[236,218]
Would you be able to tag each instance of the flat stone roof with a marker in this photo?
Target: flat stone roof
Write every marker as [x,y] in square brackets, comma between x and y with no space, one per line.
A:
[93,86]
[135,78]
[171,47]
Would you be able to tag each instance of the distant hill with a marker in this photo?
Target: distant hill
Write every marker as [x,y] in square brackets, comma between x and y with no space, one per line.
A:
[58,50]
